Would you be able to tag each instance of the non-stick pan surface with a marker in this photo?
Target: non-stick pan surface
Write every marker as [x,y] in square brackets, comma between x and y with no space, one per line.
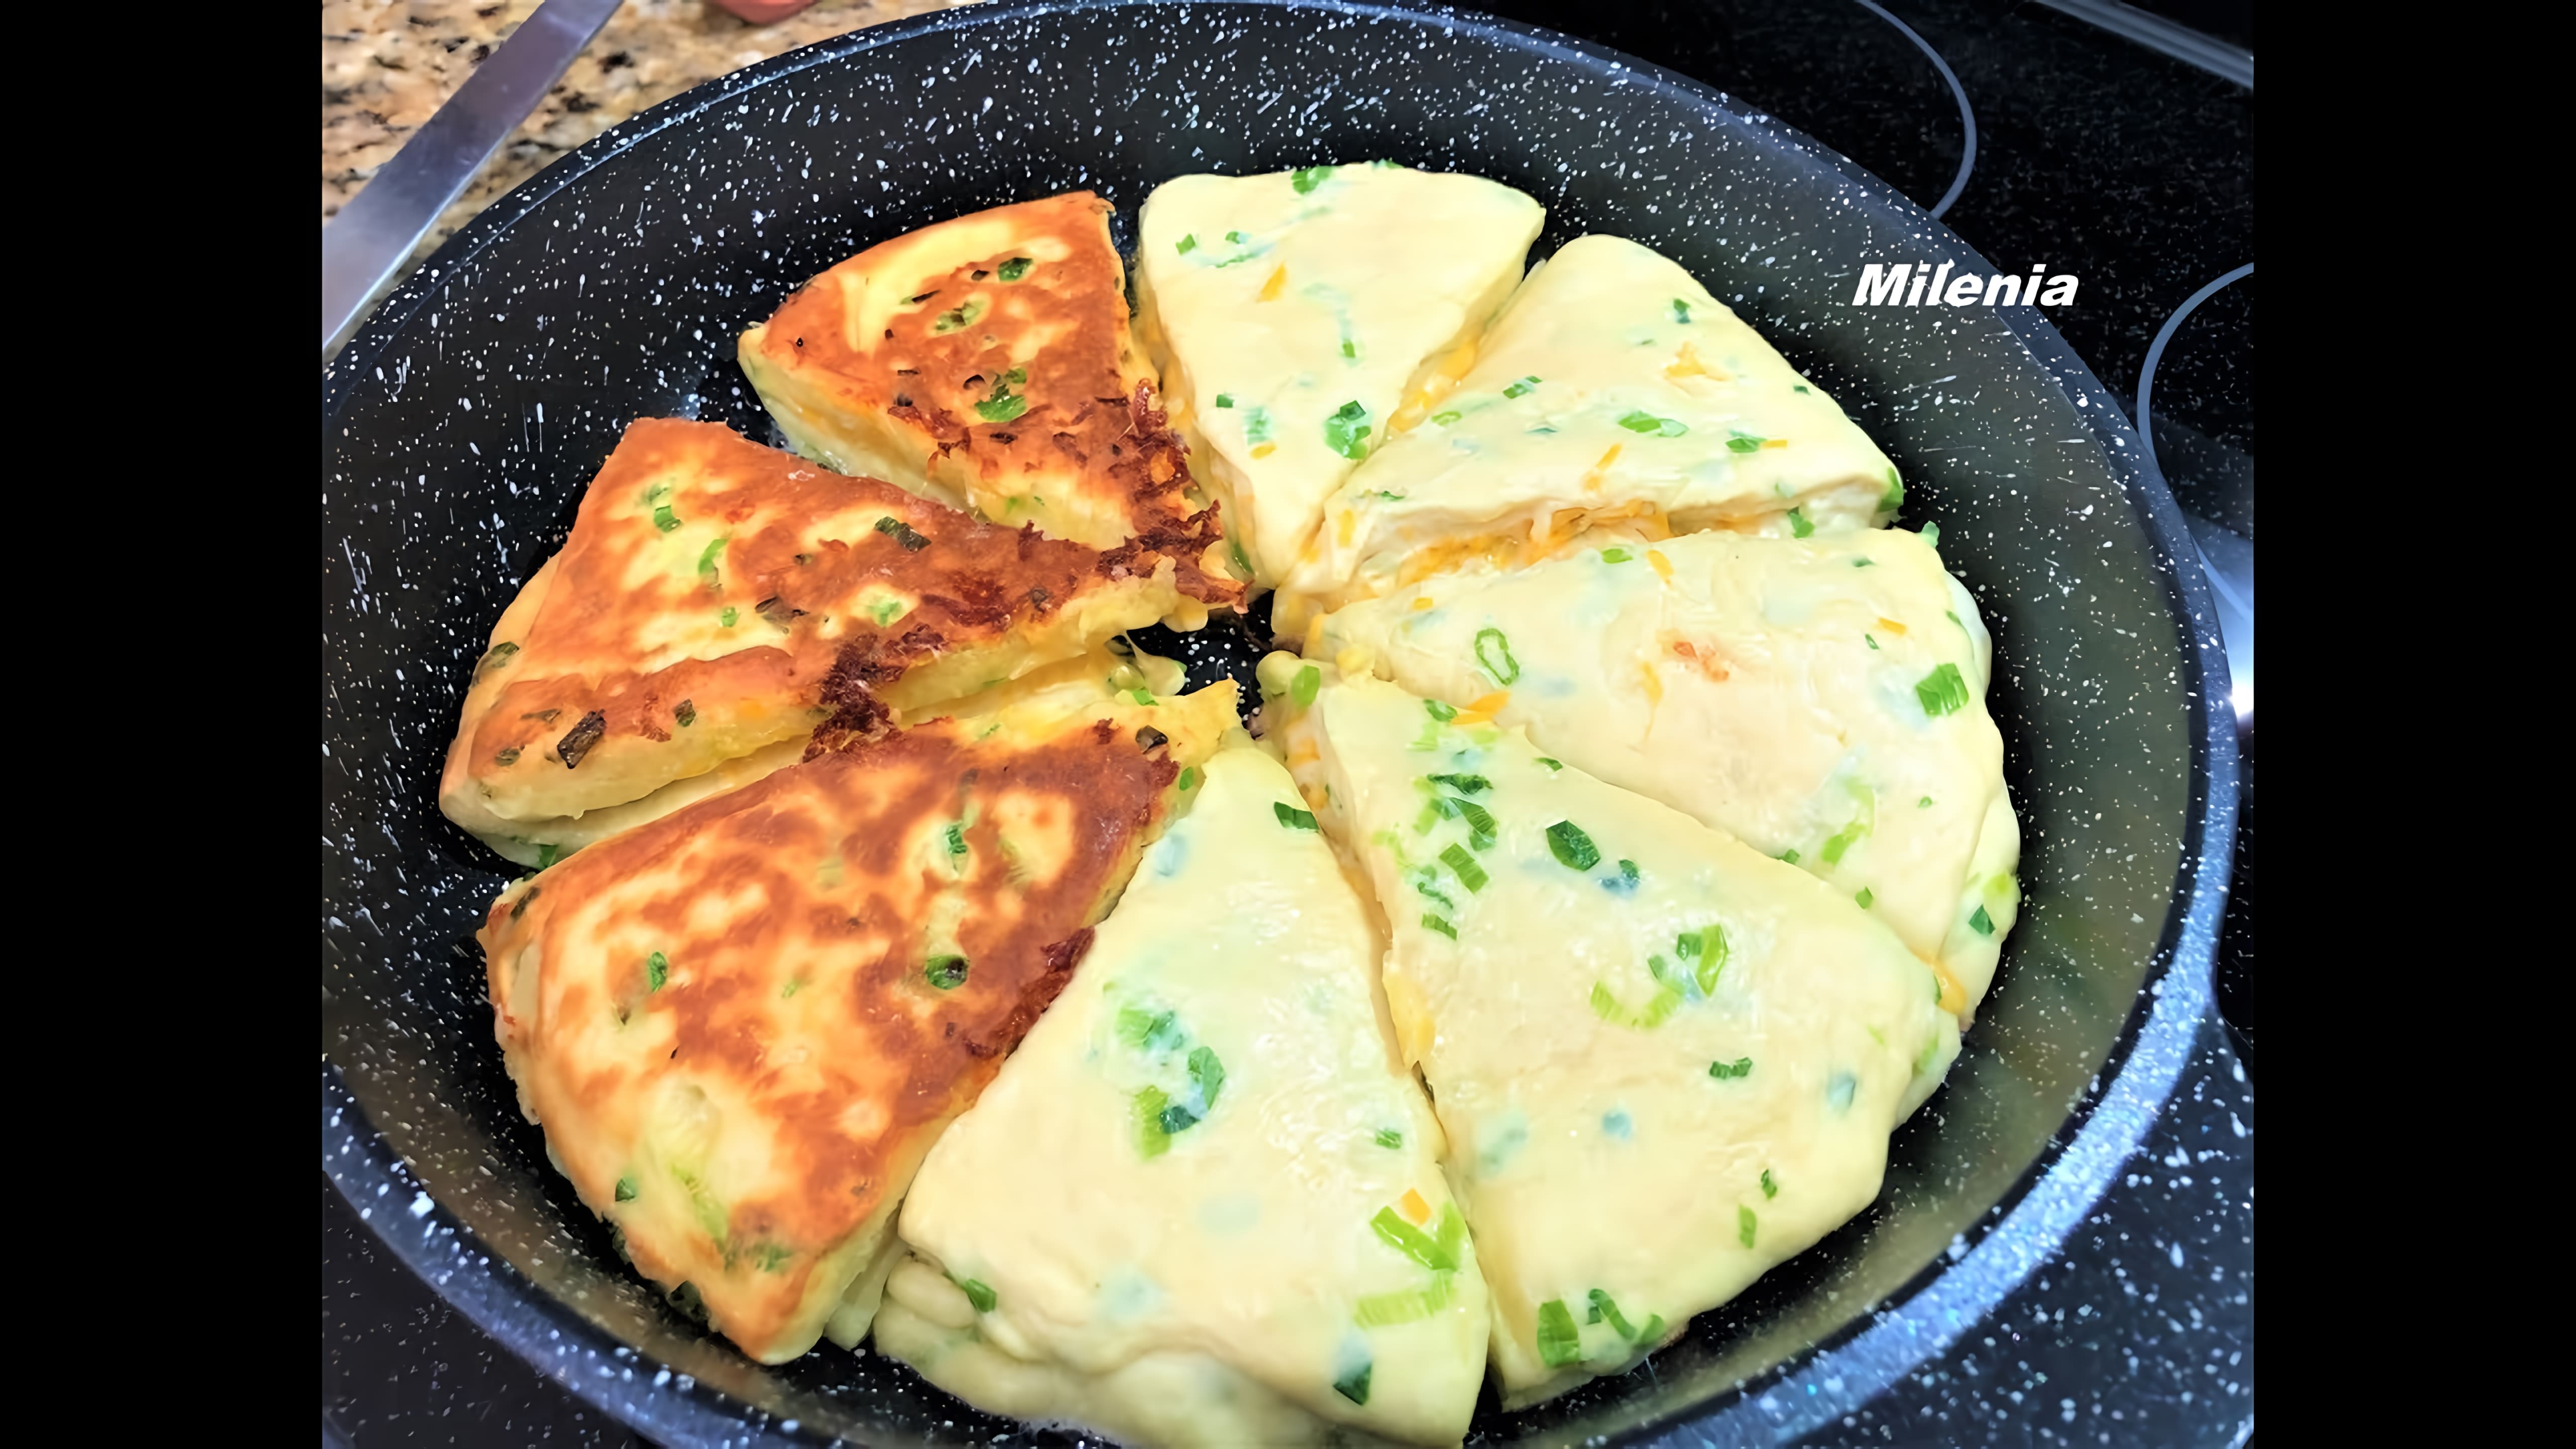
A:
[462,424]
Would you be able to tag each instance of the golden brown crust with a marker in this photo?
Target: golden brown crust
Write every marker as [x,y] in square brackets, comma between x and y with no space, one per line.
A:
[792,920]
[1049,333]
[631,647]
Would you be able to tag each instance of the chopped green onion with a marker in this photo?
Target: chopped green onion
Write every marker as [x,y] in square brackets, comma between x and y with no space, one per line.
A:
[1552,765]
[1225,399]
[1865,898]
[1923,804]
[1616,555]
[498,655]
[1871,640]
[1522,387]
[1800,387]
[1187,244]
[1790,856]
[657,969]
[626,1189]
[1439,711]
[1843,840]
[1931,533]
[1152,1138]
[1256,425]
[1707,946]
[1138,696]
[1437,1254]
[1559,1341]
[1894,498]
[1354,1385]
[791,988]
[902,533]
[1389,1137]
[1443,419]
[1385,1310]
[1494,656]
[1645,422]
[1470,874]
[548,855]
[1349,348]
[1799,527]
[1150,1031]
[1981,923]
[1604,1307]
[1189,777]
[1864,563]
[1304,687]
[1292,818]
[1657,1010]
[707,564]
[1481,829]
[1744,442]
[1435,923]
[1681,310]
[957,837]
[945,972]
[727,615]
[771,1257]
[1744,1224]
[1346,431]
[1572,848]
[977,1293]
[1729,1071]
[664,519]
[1207,1077]
[1769,1188]
[1307,178]
[1942,691]
[1463,784]
[958,316]
[1001,409]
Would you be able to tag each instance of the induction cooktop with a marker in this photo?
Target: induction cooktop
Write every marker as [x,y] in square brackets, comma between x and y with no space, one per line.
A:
[2109,142]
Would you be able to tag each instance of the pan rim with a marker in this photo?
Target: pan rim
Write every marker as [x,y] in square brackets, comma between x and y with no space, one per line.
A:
[1915,1322]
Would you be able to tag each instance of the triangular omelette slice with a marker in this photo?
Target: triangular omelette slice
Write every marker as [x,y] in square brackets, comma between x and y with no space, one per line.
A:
[1260,1198]
[1821,699]
[1664,1062]
[986,362]
[742,1025]
[716,599]
[1613,392]
[1298,316]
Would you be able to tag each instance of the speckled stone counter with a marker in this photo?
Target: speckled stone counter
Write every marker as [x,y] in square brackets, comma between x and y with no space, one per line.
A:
[388,65]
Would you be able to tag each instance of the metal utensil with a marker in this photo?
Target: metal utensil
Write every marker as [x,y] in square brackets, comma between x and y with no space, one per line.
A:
[364,247]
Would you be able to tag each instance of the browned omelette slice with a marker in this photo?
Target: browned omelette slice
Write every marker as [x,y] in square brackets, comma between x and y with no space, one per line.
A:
[716,599]
[744,1024]
[987,362]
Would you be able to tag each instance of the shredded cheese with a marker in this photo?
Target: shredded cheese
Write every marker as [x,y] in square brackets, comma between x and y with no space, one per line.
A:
[1663,565]
[1414,1207]
[1277,284]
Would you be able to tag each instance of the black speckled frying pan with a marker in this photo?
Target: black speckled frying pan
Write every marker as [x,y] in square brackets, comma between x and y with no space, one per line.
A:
[464,421]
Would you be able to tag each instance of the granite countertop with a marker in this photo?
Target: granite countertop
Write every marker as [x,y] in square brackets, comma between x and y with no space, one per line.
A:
[388,65]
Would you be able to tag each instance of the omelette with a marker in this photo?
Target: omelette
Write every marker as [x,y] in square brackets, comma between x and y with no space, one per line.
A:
[1663,1061]
[1613,393]
[1202,1204]
[986,362]
[1821,699]
[717,599]
[1300,318]
[742,1025]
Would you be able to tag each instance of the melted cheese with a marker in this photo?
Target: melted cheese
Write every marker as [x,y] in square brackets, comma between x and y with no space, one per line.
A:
[1273,303]
[1565,984]
[1782,707]
[1211,1284]
[1611,378]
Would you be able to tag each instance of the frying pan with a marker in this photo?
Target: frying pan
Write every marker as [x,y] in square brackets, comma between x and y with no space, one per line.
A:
[461,425]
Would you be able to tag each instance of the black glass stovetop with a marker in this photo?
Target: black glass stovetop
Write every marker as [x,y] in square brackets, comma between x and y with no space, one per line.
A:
[2110,143]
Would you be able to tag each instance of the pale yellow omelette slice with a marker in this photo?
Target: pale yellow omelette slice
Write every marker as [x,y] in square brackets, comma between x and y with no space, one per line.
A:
[1202,1203]
[1297,316]
[1821,699]
[1663,1061]
[1614,392]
